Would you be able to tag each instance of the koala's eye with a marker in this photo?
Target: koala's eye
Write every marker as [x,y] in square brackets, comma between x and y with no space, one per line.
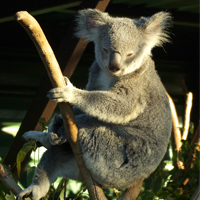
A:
[129,54]
[105,50]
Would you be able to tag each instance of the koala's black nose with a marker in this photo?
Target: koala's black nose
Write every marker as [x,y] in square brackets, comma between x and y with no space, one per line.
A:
[113,68]
[115,60]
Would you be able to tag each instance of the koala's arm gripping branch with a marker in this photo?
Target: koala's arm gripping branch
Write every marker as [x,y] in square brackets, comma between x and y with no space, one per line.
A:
[36,34]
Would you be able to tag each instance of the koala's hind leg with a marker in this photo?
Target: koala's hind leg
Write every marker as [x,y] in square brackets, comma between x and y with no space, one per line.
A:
[58,161]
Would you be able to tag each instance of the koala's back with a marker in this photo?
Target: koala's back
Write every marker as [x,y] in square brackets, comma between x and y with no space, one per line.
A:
[118,155]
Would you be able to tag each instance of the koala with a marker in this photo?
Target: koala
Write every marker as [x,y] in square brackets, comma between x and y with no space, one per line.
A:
[123,116]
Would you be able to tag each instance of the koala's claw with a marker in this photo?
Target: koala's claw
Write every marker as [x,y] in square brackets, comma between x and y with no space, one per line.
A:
[57,94]
[61,94]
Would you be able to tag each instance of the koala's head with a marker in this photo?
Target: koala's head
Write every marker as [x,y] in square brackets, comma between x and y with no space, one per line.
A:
[121,44]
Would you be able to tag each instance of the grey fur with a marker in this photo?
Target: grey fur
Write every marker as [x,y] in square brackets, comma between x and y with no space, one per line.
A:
[123,116]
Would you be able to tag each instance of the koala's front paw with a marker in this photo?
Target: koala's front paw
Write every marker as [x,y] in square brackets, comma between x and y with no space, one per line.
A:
[62,94]
[34,190]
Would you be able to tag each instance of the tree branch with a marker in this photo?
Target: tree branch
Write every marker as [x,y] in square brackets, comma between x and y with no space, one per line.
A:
[132,192]
[36,34]
[7,179]
[188,109]
[176,130]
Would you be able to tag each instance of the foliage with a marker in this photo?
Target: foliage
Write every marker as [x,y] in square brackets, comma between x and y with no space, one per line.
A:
[163,184]
[30,145]
[5,194]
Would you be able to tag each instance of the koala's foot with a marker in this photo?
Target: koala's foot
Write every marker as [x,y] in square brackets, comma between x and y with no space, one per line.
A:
[36,192]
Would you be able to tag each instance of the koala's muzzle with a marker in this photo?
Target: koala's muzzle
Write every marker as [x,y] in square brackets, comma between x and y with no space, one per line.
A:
[115,61]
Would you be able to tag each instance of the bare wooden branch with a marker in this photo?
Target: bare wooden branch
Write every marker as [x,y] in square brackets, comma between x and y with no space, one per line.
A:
[7,179]
[176,130]
[133,192]
[188,109]
[175,123]
[36,34]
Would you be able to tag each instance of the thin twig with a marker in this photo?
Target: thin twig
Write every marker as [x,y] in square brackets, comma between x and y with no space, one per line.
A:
[187,115]
[176,131]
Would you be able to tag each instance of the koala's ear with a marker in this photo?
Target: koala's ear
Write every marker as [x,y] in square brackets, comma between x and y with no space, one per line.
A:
[88,23]
[155,28]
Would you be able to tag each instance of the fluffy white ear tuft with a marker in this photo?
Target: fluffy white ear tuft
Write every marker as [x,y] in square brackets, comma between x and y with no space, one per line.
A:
[88,23]
[155,29]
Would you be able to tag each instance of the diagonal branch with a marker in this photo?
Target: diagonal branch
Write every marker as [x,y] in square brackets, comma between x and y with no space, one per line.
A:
[7,179]
[36,34]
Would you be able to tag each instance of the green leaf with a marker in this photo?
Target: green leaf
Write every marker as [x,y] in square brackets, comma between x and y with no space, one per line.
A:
[60,185]
[62,195]
[10,196]
[30,145]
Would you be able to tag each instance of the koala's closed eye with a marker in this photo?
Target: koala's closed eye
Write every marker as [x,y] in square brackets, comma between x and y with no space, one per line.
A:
[129,54]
